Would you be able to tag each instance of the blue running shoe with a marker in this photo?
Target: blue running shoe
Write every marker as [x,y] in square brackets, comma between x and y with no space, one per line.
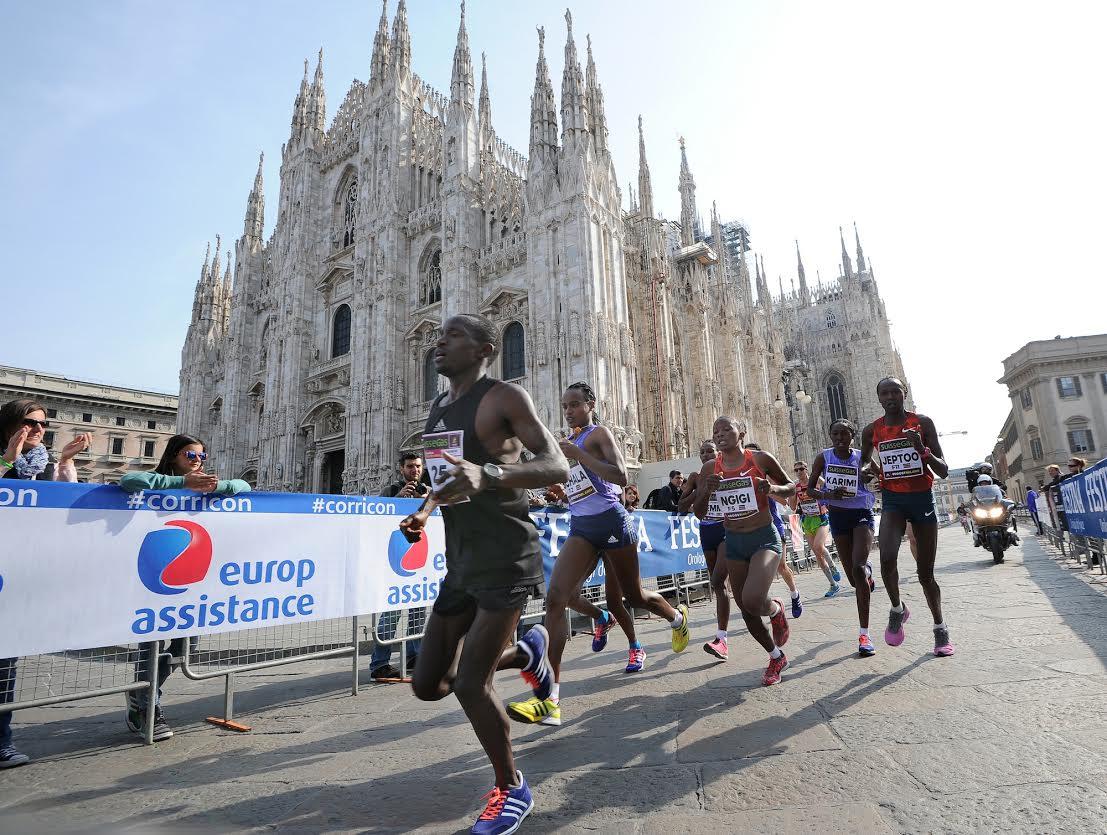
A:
[599,633]
[835,573]
[505,810]
[833,591]
[797,607]
[538,673]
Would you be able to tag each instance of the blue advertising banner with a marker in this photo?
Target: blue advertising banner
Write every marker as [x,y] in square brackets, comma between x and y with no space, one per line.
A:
[667,544]
[1085,499]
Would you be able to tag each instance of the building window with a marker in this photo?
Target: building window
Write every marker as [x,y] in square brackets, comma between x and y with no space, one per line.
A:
[1080,440]
[836,397]
[1036,449]
[120,421]
[831,320]
[148,449]
[340,339]
[349,214]
[48,440]
[51,413]
[430,377]
[1026,398]
[431,289]
[86,417]
[151,424]
[1069,386]
[116,446]
[514,349]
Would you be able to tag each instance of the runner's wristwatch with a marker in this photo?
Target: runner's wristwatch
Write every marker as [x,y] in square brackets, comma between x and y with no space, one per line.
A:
[494,473]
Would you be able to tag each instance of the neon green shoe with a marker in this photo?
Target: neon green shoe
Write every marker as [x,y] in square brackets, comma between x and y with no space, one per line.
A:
[535,711]
[682,635]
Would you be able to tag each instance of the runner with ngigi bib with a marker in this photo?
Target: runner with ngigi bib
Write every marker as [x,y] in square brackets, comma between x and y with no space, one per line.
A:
[907,451]
[598,522]
[742,481]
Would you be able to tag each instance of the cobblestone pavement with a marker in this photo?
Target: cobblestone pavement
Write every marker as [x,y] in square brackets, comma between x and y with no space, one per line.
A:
[1009,735]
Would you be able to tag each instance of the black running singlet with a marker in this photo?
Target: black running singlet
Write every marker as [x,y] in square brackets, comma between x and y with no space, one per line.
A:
[491,541]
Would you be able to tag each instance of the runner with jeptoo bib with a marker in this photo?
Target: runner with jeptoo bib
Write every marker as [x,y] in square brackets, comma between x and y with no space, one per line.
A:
[907,452]
[598,522]
[474,436]
[850,513]
[742,482]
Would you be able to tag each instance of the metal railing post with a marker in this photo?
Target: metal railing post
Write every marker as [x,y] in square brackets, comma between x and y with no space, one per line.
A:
[228,698]
[152,692]
[355,659]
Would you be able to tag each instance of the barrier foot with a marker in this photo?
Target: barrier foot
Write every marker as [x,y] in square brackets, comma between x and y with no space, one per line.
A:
[392,681]
[229,724]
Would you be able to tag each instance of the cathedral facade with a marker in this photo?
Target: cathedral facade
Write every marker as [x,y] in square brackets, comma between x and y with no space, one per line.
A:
[307,365]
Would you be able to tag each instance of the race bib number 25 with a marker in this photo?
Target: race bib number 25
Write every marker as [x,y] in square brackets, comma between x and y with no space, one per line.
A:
[435,447]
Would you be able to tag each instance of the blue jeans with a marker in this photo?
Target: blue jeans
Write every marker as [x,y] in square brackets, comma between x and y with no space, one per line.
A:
[7,695]
[143,658]
[386,629]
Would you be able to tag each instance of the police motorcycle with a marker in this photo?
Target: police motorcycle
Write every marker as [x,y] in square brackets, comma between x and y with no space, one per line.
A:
[993,517]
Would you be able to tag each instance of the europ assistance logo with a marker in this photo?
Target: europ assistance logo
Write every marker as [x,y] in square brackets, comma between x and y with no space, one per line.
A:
[175,557]
[408,559]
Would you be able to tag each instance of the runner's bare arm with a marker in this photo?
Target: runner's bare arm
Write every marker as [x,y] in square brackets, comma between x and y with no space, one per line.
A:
[867,464]
[548,465]
[936,461]
[783,486]
[816,475]
[608,463]
[413,523]
[688,494]
[705,484]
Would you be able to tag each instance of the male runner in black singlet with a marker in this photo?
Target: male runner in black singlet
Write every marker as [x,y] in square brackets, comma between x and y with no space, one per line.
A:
[474,438]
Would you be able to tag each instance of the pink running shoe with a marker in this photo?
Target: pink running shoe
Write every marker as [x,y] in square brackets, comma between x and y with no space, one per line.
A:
[773,671]
[942,646]
[779,622]
[893,635]
[716,647]
[636,660]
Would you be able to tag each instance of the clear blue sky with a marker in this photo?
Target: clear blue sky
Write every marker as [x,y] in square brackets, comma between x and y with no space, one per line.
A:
[966,140]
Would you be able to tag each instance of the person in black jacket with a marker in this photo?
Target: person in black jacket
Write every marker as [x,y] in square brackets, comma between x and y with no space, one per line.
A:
[666,498]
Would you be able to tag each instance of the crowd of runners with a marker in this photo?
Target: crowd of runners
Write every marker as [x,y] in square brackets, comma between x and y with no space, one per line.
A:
[493,561]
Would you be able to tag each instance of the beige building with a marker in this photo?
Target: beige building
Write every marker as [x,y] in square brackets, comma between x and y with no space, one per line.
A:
[1058,391]
[129,427]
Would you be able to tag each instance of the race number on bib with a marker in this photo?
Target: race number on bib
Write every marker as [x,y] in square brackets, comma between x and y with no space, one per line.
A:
[435,447]
[737,497]
[579,486]
[809,508]
[837,476]
[899,459]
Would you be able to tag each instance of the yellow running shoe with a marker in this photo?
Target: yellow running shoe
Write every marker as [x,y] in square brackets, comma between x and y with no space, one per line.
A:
[682,635]
[535,710]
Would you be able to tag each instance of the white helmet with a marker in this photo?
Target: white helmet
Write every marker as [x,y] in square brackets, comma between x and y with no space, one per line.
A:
[984,479]
[985,468]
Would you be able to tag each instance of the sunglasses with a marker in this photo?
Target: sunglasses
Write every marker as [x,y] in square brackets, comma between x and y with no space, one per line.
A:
[196,456]
[45,424]
[800,470]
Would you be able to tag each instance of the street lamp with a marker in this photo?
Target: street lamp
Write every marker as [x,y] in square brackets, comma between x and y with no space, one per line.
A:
[792,401]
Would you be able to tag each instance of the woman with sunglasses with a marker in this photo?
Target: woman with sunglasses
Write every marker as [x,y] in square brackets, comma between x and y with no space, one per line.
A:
[816,527]
[23,426]
[181,468]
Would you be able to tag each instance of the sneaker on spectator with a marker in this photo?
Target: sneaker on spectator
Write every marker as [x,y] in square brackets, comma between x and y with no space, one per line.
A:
[136,716]
[10,757]
[162,731]
[385,672]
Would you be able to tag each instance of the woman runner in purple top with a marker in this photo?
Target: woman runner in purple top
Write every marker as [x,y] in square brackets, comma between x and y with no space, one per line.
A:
[851,516]
[599,522]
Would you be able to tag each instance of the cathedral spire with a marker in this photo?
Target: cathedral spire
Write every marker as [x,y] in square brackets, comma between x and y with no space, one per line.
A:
[213,276]
[378,67]
[299,108]
[574,108]
[847,267]
[484,109]
[401,42]
[461,80]
[255,208]
[597,117]
[860,254]
[805,294]
[645,188]
[763,297]
[687,200]
[317,103]
[543,110]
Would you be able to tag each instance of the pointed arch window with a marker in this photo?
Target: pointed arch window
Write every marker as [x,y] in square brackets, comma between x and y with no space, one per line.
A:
[430,290]
[349,214]
[340,334]
[836,397]
[430,377]
[514,352]
[831,320]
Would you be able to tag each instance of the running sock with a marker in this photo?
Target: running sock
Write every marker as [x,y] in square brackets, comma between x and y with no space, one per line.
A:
[678,621]
[720,634]
[606,617]
[865,631]
[775,609]
[938,626]
[776,653]
[555,693]
[796,595]
[898,609]
[636,645]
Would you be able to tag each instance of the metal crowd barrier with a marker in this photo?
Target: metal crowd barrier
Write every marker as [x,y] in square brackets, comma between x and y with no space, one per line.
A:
[1087,551]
